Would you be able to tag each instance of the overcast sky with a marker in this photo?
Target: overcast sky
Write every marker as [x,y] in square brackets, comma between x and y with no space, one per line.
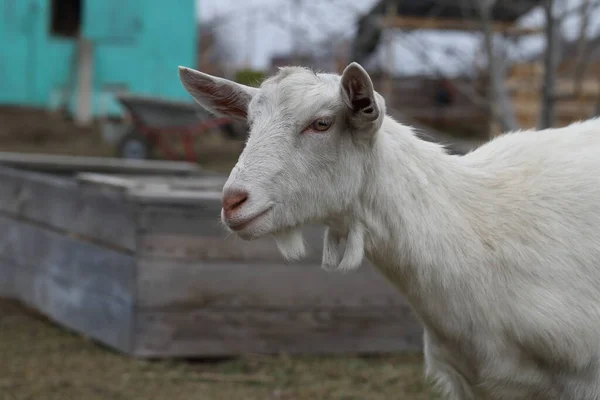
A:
[260,28]
[264,27]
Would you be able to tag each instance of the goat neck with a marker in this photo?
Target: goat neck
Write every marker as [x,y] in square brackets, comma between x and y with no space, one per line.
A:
[418,214]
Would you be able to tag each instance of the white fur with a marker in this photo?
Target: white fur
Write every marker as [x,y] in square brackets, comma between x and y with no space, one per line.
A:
[291,244]
[498,251]
[355,249]
[331,252]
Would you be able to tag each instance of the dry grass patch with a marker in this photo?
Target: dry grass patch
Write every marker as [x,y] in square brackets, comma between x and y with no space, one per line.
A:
[41,361]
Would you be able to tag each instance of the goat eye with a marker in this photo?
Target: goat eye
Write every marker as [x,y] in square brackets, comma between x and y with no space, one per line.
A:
[320,125]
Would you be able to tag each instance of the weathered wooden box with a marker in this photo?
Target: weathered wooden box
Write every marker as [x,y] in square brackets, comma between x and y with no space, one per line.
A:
[143,265]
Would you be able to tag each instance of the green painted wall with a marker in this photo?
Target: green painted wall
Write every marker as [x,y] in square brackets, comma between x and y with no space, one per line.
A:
[137,45]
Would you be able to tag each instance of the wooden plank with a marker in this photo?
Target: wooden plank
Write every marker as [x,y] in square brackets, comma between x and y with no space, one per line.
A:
[76,307]
[576,111]
[167,284]
[160,189]
[118,182]
[7,279]
[213,245]
[15,188]
[529,89]
[200,182]
[212,242]
[84,287]
[106,216]
[74,164]
[231,332]
[191,219]
[184,223]
[153,195]
[96,213]
[195,232]
[401,22]
[90,267]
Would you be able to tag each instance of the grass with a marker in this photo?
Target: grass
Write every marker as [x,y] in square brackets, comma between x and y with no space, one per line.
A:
[41,361]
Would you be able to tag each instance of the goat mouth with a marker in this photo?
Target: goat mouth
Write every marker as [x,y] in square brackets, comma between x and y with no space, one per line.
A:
[238,226]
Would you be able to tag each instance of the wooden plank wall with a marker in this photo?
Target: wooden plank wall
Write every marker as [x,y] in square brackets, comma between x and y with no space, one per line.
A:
[216,333]
[239,308]
[67,250]
[202,291]
[80,285]
[90,211]
[524,84]
[152,273]
[195,232]
[64,164]
[7,279]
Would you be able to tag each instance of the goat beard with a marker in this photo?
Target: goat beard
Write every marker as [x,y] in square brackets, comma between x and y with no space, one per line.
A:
[335,258]
[354,251]
[291,244]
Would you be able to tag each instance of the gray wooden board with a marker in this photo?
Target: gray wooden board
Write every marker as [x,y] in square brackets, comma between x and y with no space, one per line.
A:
[161,190]
[168,284]
[196,291]
[91,314]
[218,245]
[17,187]
[82,286]
[230,332]
[72,164]
[97,213]
[202,218]
[199,182]
[77,307]
[154,196]
[196,233]
[91,267]
[7,279]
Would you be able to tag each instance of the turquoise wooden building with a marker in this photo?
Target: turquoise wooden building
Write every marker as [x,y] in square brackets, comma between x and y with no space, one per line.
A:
[78,54]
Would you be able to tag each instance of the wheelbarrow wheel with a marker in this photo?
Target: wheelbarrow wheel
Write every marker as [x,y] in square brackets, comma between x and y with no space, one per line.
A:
[134,146]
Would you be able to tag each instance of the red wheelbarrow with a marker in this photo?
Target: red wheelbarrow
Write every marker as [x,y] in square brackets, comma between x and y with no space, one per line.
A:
[152,119]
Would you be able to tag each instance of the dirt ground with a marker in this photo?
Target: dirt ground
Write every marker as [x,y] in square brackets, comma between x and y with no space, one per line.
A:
[41,361]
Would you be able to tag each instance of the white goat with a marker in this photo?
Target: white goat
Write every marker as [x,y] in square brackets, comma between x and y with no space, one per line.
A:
[497,251]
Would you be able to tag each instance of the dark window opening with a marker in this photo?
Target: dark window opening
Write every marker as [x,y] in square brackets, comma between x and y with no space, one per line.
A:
[66,18]
[444,94]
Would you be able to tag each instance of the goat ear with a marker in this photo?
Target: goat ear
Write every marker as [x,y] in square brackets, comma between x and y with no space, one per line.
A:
[359,96]
[219,96]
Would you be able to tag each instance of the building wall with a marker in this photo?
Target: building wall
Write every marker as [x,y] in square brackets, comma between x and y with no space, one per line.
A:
[136,45]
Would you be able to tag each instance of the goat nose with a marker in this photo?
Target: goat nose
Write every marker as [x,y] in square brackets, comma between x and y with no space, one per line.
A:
[232,200]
